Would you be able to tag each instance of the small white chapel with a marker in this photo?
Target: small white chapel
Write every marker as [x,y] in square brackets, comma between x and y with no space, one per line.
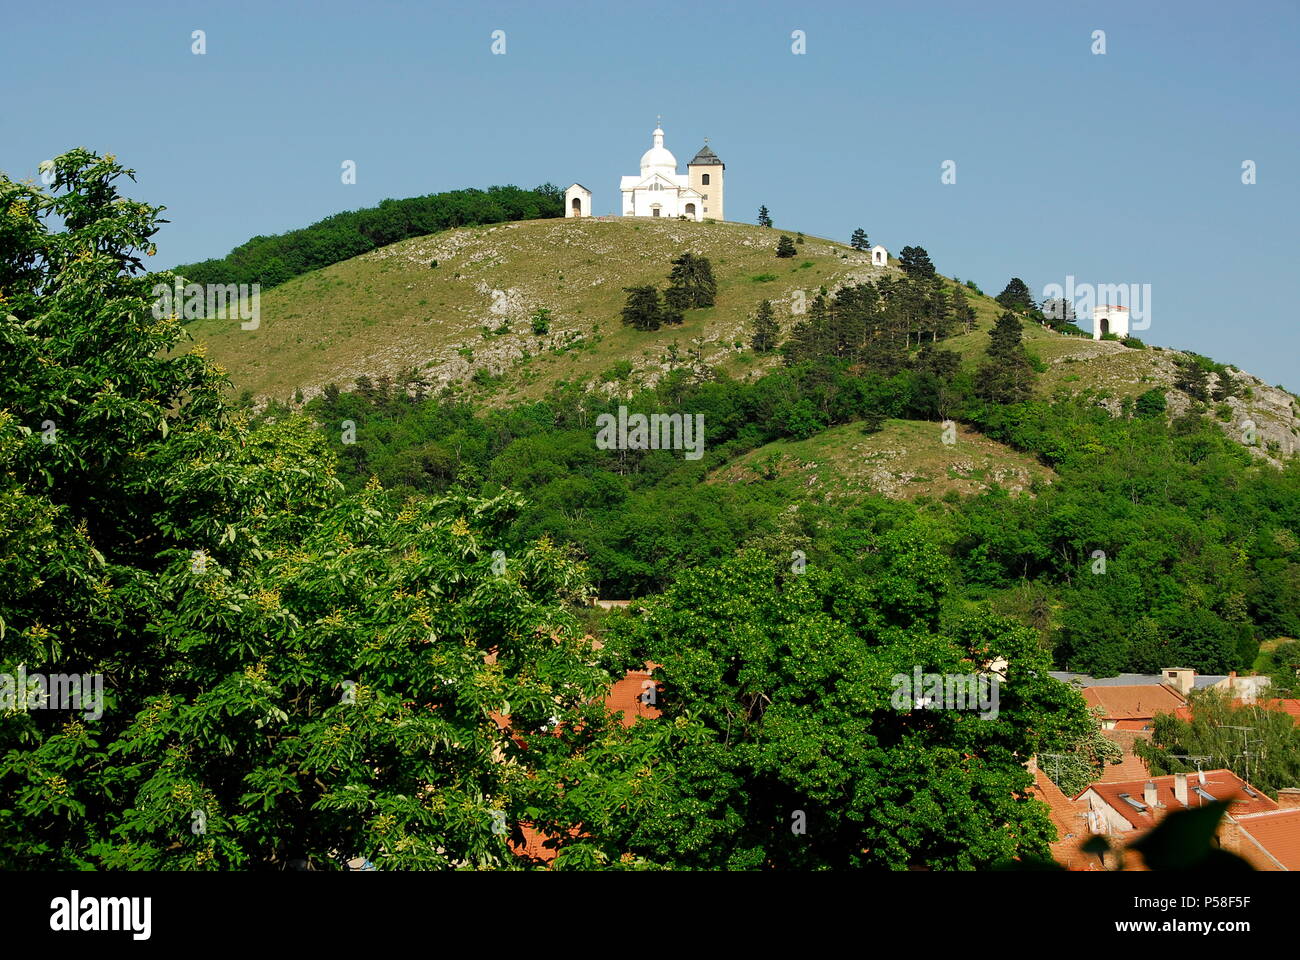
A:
[659,190]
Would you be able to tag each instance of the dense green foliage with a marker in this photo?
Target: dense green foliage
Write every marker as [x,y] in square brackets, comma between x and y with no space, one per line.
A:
[275,259]
[1260,745]
[777,687]
[915,262]
[1201,560]
[1017,296]
[691,284]
[291,673]
[343,635]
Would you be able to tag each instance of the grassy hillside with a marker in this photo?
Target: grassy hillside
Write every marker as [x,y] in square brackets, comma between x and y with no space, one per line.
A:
[388,311]
[466,322]
[906,460]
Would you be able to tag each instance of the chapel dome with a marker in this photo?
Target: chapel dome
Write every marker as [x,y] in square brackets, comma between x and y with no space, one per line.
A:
[658,159]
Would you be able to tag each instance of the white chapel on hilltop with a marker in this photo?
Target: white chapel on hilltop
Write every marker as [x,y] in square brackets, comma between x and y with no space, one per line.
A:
[659,190]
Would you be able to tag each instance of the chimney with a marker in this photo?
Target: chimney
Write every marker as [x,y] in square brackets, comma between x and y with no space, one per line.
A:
[1149,793]
[1229,835]
[1180,788]
[1181,679]
[1288,798]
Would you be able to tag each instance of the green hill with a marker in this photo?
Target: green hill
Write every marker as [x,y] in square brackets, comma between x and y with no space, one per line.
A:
[906,460]
[465,323]
[386,312]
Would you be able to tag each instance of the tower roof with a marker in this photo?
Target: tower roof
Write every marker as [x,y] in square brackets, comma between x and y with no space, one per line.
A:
[705,156]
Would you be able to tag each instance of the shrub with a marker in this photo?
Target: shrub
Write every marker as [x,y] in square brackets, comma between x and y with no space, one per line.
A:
[619,372]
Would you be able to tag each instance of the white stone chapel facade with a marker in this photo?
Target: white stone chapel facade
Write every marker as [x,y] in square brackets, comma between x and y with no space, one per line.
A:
[659,190]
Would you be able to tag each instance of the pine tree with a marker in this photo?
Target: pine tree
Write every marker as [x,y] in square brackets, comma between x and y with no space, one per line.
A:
[642,309]
[1007,375]
[1225,386]
[855,306]
[808,339]
[764,219]
[940,308]
[765,329]
[1016,296]
[1192,379]
[691,283]
[859,240]
[785,247]
[1058,312]
[962,311]
[916,262]
[1005,337]
[671,315]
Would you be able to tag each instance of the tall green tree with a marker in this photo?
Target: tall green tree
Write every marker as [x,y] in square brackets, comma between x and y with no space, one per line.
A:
[1017,296]
[859,240]
[764,218]
[1007,376]
[1260,745]
[916,262]
[963,313]
[643,310]
[1192,378]
[691,283]
[290,674]
[765,329]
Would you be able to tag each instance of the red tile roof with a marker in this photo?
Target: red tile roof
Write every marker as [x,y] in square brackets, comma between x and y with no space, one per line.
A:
[1276,834]
[1282,706]
[1132,766]
[1133,703]
[625,696]
[1070,817]
[1143,726]
[1219,784]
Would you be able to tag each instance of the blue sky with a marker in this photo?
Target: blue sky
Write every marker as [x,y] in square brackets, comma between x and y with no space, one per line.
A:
[1117,168]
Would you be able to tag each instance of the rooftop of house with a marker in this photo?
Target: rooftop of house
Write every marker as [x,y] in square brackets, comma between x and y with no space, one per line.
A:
[1132,679]
[1133,703]
[1129,799]
[705,156]
[625,697]
[1275,833]
[1132,766]
[1291,707]
[1070,817]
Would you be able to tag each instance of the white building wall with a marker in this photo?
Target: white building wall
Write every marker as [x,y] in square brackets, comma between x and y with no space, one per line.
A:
[583,196]
[1116,319]
[641,202]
